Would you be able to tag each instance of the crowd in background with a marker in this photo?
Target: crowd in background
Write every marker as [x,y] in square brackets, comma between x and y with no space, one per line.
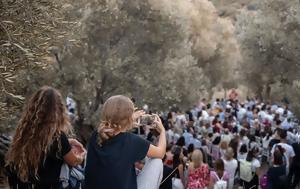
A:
[220,145]
[229,143]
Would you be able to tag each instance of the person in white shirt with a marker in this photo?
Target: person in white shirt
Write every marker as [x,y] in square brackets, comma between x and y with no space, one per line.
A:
[230,165]
[241,113]
[226,136]
[242,155]
[286,124]
[289,151]
[187,136]
[204,118]
[195,141]
[255,167]
[170,136]
[180,120]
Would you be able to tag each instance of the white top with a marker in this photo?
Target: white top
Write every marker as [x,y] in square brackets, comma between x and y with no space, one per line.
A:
[289,152]
[242,156]
[170,136]
[245,140]
[280,111]
[204,116]
[230,167]
[180,120]
[255,164]
[226,137]
[265,142]
[241,113]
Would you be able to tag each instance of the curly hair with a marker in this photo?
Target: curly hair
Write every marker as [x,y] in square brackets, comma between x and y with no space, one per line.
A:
[43,120]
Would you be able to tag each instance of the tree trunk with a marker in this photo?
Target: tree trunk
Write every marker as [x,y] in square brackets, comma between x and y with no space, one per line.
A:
[268,91]
[259,93]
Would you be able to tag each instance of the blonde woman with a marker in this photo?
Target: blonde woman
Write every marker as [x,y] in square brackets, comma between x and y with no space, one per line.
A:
[198,172]
[230,165]
[113,150]
[40,145]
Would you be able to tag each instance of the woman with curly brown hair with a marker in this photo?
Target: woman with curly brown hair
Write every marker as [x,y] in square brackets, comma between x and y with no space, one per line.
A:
[40,145]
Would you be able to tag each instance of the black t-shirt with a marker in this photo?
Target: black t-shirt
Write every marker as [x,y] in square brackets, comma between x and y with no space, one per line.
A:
[273,142]
[167,181]
[49,170]
[111,165]
[274,174]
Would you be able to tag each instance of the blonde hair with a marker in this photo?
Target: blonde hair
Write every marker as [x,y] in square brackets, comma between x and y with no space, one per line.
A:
[197,158]
[223,145]
[229,153]
[117,113]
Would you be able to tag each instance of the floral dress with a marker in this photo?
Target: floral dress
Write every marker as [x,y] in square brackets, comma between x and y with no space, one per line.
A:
[199,178]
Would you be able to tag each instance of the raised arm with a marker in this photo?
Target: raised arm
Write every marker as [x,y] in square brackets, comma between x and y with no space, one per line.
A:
[159,150]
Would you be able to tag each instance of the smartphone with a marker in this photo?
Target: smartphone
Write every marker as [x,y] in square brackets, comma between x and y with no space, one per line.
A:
[147,120]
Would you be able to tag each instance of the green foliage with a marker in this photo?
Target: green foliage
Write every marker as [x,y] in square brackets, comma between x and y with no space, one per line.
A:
[270,43]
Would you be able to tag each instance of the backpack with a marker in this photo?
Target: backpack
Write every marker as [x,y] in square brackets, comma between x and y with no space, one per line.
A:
[246,171]
[220,184]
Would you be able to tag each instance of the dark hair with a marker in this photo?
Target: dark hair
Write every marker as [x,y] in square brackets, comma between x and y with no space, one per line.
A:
[180,142]
[204,156]
[234,144]
[278,155]
[199,114]
[278,122]
[263,134]
[282,134]
[251,139]
[217,140]
[190,148]
[243,132]
[176,157]
[42,122]
[185,152]
[164,158]
[210,135]
[243,149]
[219,167]
[169,115]
[204,143]
[208,106]
[169,147]
[268,132]
[251,154]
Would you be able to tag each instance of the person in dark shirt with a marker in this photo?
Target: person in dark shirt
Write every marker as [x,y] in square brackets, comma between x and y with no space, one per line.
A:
[40,145]
[295,166]
[167,176]
[113,151]
[276,174]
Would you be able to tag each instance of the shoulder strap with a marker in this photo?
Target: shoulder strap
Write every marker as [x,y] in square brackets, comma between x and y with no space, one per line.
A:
[218,176]
[169,175]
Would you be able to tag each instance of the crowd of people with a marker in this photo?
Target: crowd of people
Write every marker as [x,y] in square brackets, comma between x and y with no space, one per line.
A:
[231,144]
[222,145]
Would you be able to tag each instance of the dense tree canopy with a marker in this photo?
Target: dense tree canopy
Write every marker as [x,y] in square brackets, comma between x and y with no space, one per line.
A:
[159,52]
[269,39]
